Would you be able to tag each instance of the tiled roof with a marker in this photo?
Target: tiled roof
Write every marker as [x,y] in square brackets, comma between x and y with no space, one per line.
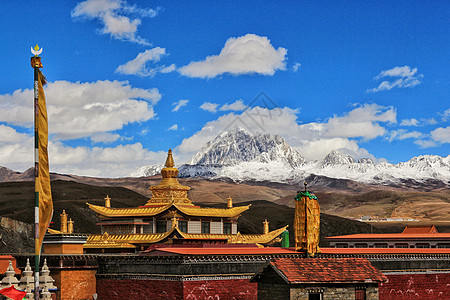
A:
[385,250]
[410,229]
[147,211]
[310,270]
[399,236]
[96,240]
[224,251]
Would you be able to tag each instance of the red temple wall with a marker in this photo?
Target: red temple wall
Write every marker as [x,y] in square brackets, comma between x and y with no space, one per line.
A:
[416,286]
[120,289]
[237,289]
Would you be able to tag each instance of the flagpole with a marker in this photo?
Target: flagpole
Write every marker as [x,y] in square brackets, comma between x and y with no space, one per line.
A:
[36,64]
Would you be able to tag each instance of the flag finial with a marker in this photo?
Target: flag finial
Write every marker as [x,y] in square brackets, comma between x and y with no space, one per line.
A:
[36,51]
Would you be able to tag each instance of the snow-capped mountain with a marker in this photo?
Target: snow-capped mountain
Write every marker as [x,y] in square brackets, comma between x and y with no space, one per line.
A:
[241,156]
[145,171]
[237,146]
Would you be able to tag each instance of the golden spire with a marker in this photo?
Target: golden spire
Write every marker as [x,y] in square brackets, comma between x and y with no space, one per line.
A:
[169,190]
[70,226]
[63,221]
[169,173]
[169,161]
[266,226]
[107,202]
[229,202]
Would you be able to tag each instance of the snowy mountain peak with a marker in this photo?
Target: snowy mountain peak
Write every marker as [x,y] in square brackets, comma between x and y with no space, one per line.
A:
[336,158]
[237,146]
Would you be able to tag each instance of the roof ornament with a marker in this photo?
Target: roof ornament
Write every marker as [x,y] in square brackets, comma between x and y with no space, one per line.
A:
[266,226]
[107,201]
[229,202]
[63,222]
[169,161]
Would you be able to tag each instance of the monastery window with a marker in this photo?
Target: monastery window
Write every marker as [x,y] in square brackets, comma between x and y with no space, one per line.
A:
[205,227]
[194,226]
[443,245]
[161,226]
[341,245]
[315,296]
[234,228]
[183,226]
[360,294]
[227,228]
[422,245]
[361,245]
[216,228]
[381,245]
[403,245]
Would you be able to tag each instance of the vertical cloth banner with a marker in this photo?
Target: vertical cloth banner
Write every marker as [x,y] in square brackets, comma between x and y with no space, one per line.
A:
[43,176]
[307,223]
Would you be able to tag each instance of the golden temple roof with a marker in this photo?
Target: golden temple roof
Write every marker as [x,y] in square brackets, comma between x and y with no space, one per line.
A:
[125,240]
[169,192]
[148,211]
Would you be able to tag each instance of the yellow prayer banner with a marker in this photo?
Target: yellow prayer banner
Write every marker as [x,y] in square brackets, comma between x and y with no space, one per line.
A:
[307,225]
[43,178]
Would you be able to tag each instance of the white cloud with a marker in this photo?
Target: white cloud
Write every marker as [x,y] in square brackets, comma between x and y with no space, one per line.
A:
[139,66]
[208,106]
[242,55]
[237,105]
[101,162]
[313,140]
[425,143]
[402,77]
[112,14]
[78,110]
[174,127]
[441,135]
[105,137]
[409,122]
[179,104]
[15,149]
[445,115]
[168,69]
[402,134]
[296,66]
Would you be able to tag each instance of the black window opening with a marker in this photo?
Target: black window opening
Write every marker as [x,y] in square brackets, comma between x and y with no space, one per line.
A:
[227,228]
[161,226]
[183,226]
[314,296]
[206,227]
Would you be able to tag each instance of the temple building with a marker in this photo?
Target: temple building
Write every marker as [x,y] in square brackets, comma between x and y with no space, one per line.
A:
[170,217]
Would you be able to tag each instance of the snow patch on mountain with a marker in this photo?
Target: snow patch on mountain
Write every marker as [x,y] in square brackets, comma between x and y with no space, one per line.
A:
[241,156]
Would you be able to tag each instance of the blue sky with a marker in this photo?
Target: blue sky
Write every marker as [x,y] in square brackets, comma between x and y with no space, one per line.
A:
[130,79]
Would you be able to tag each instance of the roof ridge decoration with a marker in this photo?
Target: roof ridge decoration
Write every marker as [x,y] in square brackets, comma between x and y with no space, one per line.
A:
[119,240]
[149,211]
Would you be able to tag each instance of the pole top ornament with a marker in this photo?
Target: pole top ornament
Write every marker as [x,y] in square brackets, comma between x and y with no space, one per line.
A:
[36,51]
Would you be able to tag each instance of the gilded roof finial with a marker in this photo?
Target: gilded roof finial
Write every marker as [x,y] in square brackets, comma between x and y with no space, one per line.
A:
[266,226]
[63,221]
[169,161]
[305,183]
[70,226]
[107,201]
[229,202]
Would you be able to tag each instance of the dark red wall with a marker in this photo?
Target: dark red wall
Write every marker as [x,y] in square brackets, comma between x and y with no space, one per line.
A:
[220,289]
[135,289]
[416,286]
[119,289]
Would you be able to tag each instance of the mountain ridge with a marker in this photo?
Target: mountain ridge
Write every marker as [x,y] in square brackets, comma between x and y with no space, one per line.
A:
[241,156]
